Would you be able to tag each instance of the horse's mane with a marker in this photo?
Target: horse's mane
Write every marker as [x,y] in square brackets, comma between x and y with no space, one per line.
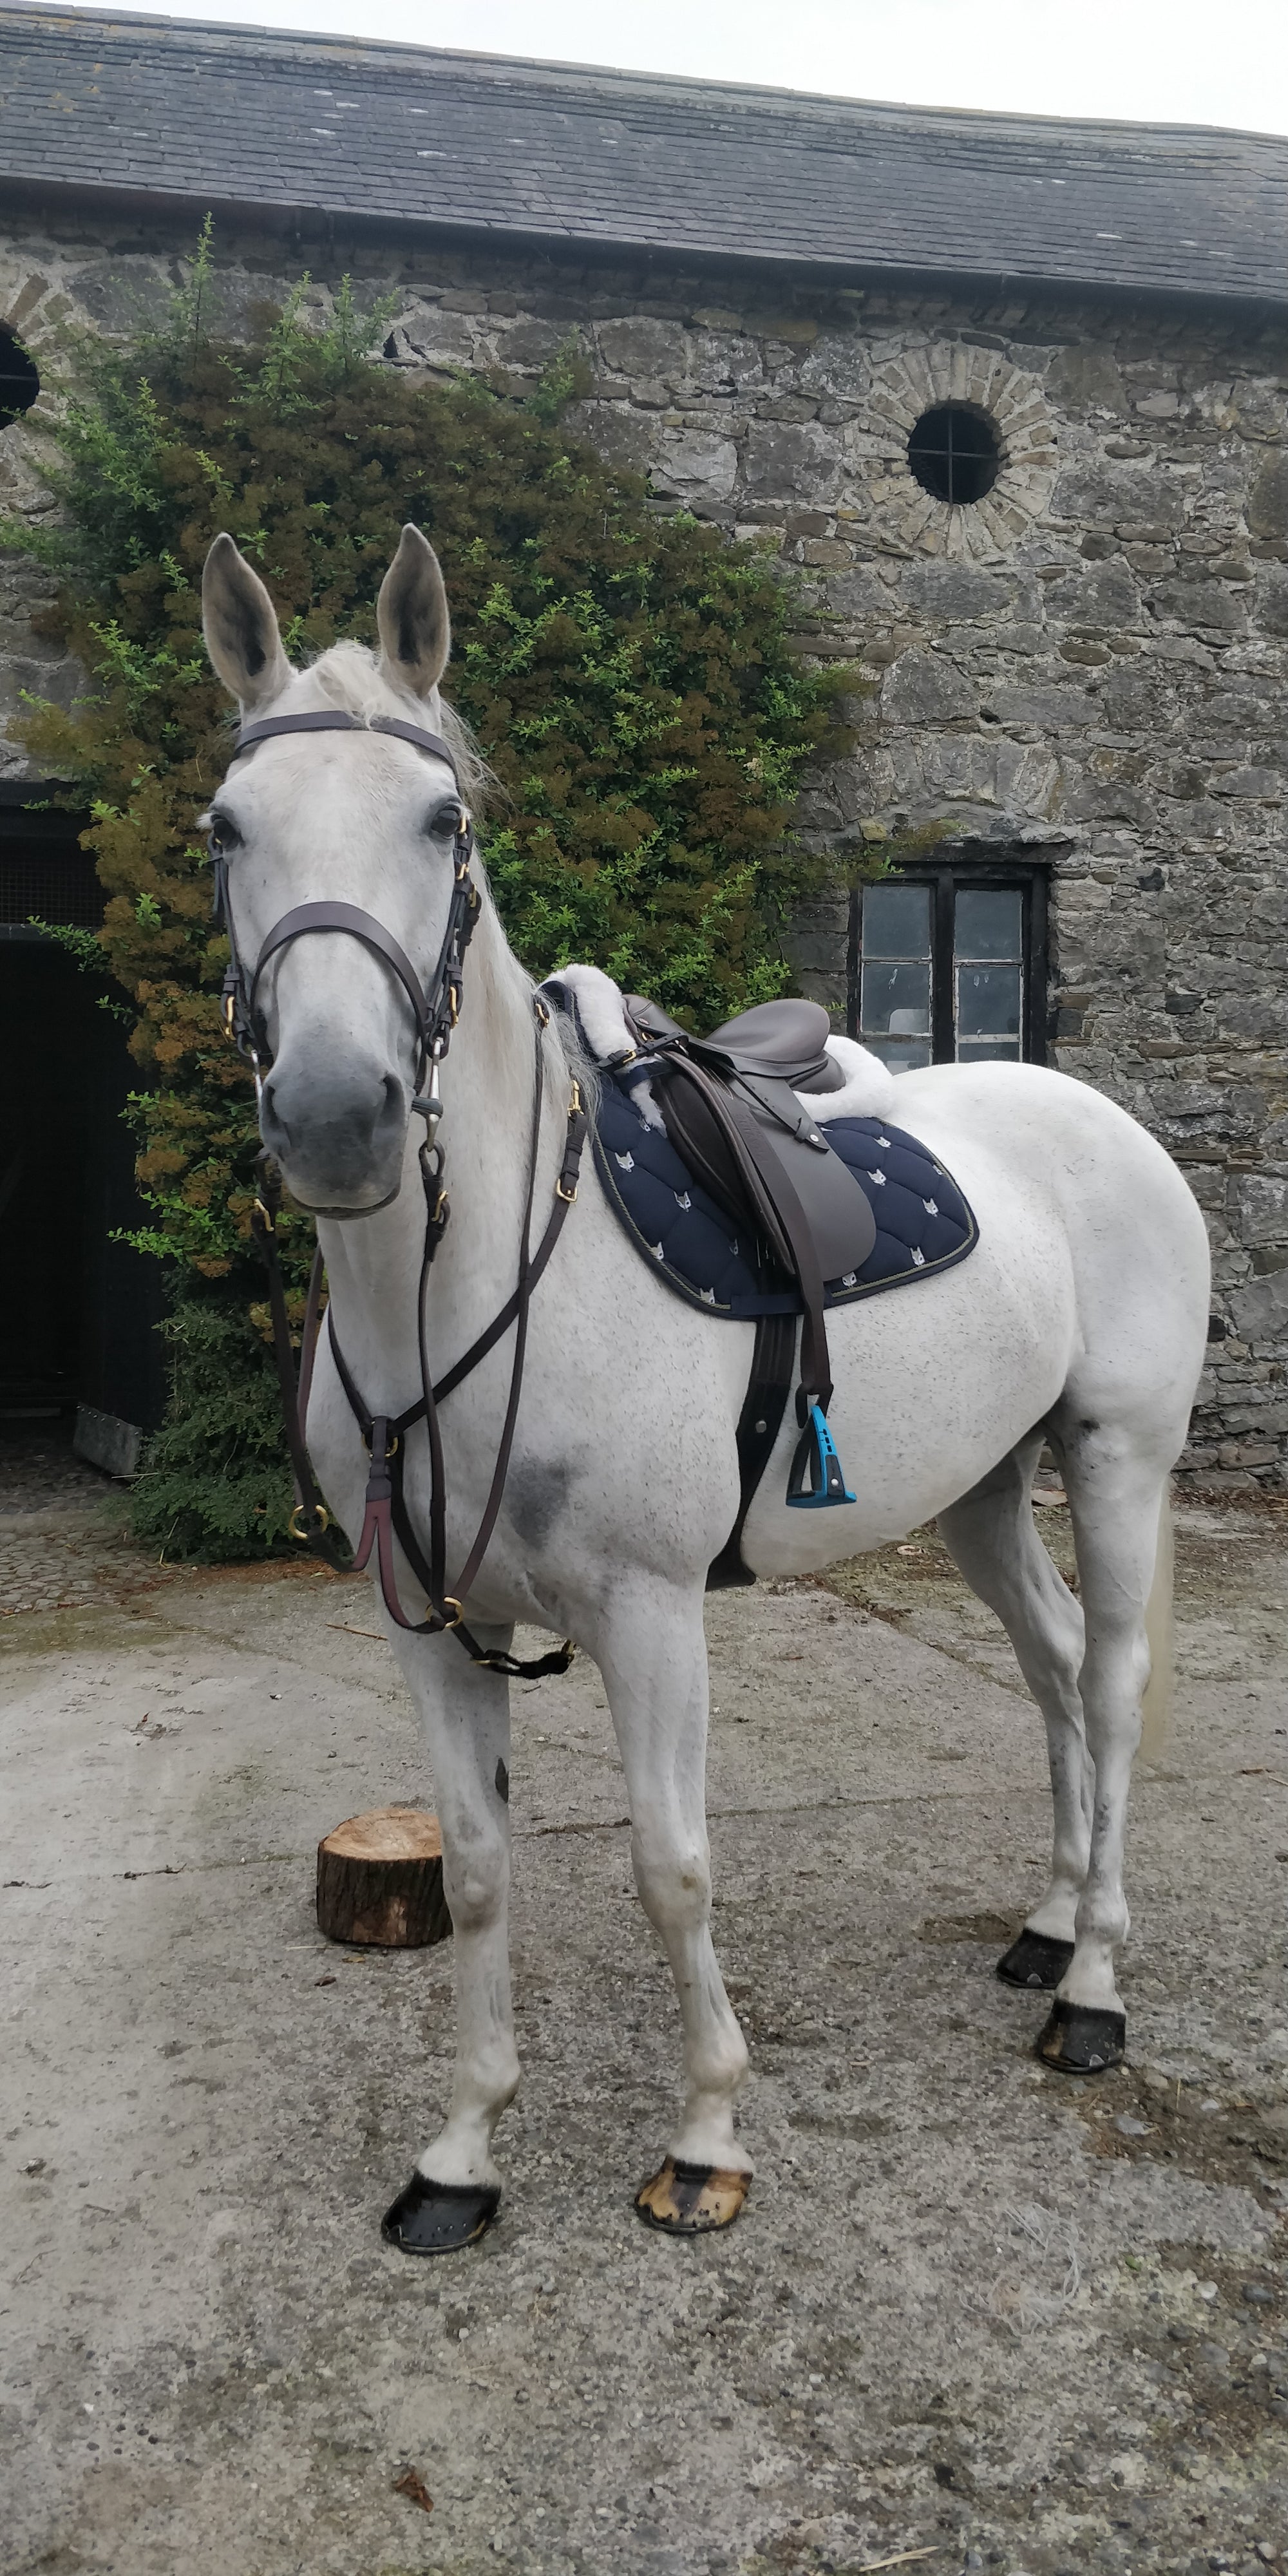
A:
[349,676]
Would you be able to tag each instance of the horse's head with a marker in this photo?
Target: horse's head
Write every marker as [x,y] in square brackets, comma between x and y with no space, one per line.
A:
[356,818]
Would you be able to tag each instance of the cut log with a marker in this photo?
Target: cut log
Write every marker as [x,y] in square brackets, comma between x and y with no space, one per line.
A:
[380,1880]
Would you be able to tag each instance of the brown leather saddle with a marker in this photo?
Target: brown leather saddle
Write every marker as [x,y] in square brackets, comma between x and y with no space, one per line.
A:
[730,1107]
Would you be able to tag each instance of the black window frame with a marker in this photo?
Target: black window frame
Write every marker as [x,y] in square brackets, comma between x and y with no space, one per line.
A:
[944,877]
[980,458]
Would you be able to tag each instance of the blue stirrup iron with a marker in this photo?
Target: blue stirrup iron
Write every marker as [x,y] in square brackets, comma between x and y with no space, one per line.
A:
[817,1479]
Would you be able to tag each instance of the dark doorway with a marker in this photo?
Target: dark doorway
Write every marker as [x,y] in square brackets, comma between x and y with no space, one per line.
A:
[77,1310]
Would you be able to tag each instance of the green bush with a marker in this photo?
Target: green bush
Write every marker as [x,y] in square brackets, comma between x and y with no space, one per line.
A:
[627,675]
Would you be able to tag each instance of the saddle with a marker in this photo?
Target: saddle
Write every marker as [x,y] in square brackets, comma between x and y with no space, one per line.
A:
[729,1105]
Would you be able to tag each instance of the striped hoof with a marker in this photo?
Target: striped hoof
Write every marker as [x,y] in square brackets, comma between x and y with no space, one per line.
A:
[689,2200]
[1082,2041]
[1034,1960]
[439,2217]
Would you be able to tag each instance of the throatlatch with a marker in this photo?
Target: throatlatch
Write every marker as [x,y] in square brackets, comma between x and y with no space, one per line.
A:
[436,1012]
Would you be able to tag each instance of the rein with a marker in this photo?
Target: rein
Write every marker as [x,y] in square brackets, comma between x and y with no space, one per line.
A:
[436,1012]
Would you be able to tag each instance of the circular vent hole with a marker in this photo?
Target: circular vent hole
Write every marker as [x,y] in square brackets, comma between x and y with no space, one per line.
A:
[19,382]
[955,453]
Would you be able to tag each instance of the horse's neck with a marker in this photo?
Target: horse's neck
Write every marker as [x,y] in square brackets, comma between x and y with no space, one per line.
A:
[373,1265]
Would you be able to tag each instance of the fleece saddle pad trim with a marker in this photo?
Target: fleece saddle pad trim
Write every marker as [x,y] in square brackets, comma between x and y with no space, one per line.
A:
[923,1222]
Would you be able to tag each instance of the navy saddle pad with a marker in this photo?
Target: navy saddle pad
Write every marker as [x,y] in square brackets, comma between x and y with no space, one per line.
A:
[923,1223]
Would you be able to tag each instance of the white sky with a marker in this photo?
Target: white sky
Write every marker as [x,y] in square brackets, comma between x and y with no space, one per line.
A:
[1193,62]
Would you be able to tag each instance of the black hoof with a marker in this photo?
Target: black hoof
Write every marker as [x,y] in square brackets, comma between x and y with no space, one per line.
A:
[1081,2041]
[439,2217]
[1034,1960]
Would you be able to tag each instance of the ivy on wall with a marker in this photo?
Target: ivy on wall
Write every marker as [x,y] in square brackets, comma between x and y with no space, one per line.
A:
[627,675]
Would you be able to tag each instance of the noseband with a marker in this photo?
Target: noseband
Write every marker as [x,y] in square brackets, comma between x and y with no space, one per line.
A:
[435,1014]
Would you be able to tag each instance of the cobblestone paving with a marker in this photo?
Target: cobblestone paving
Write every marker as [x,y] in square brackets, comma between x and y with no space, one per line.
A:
[63,1536]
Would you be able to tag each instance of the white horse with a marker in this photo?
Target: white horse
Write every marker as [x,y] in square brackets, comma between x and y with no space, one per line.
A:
[1080,1320]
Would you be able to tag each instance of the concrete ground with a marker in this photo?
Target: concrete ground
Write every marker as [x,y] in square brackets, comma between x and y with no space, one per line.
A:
[974,2316]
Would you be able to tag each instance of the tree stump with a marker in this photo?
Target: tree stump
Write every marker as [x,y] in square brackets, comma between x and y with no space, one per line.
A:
[380,1880]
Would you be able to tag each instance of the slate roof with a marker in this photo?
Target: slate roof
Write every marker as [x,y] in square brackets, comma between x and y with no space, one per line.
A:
[175,111]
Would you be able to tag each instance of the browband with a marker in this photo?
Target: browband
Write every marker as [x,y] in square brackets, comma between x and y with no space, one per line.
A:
[338,720]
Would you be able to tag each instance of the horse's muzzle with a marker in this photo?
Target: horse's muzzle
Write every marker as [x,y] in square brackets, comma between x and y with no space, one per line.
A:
[338,1135]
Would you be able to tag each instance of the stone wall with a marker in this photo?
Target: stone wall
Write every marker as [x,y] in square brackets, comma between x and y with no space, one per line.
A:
[1090,665]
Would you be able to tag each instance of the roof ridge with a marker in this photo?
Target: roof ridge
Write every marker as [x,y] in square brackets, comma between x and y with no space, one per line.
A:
[619,79]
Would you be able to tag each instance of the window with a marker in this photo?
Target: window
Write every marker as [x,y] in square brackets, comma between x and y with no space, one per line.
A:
[947,965]
[955,453]
[19,382]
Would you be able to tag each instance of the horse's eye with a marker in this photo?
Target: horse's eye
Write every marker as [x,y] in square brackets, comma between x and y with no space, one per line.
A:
[224,835]
[445,821]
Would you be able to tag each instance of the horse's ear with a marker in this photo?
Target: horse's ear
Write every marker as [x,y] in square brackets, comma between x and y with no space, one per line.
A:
[241,628]
[411,615]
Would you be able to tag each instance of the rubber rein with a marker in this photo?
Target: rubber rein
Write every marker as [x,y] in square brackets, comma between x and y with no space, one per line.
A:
[436,1010]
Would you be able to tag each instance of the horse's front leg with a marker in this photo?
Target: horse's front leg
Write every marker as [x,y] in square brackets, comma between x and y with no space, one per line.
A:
[455,2190]
[652,1653]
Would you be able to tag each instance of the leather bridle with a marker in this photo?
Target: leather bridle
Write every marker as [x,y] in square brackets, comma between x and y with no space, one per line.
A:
[436,1010]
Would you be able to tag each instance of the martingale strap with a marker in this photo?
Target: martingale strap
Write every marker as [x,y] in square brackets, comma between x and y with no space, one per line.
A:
[385,1513]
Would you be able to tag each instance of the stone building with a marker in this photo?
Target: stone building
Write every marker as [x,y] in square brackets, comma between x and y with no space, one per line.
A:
[1011,397]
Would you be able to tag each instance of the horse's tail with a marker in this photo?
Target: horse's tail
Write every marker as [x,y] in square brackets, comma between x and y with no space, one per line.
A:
[1156,1706]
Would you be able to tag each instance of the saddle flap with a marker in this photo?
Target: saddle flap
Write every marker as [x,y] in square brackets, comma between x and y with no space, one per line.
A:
[740,1175]
[715,1155]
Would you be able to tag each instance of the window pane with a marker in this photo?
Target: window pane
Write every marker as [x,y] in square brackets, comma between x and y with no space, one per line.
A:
[896,921]
[903,1055]
[896,1000]
[989,1051]
[988,921]
[988,1001]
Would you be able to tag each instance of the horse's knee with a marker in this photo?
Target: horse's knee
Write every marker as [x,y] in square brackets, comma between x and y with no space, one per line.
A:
[674,1883]
[475,1882]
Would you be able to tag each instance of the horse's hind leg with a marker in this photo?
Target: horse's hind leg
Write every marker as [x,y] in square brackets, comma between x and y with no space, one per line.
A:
[1116,1479]
[991,1535]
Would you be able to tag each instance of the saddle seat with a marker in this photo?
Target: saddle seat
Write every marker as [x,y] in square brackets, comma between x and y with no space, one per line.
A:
[783,1041]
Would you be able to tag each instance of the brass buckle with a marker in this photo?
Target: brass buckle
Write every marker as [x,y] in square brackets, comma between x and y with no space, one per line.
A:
[322,1520]
[391,1451]
[574,1099]
[450,1602]
[265,1213]
[569,1197]
[228,1016]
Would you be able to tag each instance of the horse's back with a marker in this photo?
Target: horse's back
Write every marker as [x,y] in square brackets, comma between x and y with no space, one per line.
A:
[1090,1249]
[1135,1237]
